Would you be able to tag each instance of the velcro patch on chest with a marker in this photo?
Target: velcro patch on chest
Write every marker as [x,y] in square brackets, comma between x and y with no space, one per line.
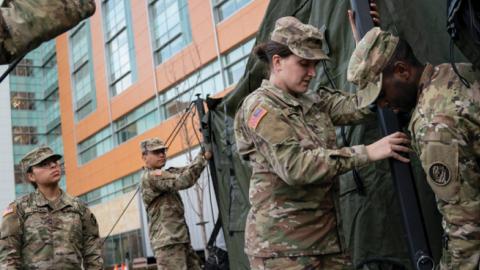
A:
[439,173]
[256,117]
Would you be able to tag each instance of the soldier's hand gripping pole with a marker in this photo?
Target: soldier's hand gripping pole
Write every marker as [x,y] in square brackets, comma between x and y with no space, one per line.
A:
[207,138]
[420,253]
[203,123]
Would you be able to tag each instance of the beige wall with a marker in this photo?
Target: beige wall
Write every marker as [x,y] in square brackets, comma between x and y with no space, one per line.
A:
[108,212]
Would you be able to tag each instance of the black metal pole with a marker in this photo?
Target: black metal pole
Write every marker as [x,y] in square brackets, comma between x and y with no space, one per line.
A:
[404,182]
[407,194]
[207,139]
[10,68]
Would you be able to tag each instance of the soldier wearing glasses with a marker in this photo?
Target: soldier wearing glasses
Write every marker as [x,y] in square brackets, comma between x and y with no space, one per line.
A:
[167,227]
[48,229]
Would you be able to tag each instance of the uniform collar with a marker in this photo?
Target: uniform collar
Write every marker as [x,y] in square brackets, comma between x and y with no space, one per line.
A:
[40,199]
[302,100]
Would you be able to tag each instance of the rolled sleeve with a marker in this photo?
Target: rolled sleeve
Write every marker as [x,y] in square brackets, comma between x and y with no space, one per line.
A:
[343,107]
[179,179]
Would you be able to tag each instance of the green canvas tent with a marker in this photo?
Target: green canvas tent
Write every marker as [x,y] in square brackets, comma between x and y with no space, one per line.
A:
[372,222]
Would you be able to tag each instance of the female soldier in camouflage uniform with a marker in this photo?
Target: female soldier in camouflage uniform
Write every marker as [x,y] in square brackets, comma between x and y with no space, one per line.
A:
[48,229]
[288,136]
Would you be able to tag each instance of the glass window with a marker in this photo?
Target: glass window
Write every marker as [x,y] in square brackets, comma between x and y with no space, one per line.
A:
[24,68]
[225,8]
[95,146]
[83,86]
[82,71]
[119,247]
[136,122]
[235,61]
[205,81]
[79,46]
[24,135]
[85,110]
[52,108]
[119,45]
[22,101]
[50,73]
[112,190]
[171,27]
[23,188]
[54,139]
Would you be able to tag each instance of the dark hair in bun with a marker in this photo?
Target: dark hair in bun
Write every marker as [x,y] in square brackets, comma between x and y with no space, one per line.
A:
[265,51]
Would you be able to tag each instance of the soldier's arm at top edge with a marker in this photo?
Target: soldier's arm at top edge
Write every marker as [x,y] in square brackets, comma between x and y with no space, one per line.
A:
[299,165]
[11,240]
[183,180]
[342,107]
[92,244]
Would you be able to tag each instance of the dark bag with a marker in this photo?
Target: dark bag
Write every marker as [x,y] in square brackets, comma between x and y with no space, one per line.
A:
[217,258]
[25,24]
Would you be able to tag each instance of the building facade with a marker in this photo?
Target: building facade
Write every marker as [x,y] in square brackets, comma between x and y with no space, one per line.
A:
[128,73]
[7,185]
[34,109]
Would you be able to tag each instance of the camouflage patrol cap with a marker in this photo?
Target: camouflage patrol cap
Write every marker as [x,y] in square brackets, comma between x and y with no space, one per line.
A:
[368,60]
[368,92]
[36,156]
[152,144]
[303,40]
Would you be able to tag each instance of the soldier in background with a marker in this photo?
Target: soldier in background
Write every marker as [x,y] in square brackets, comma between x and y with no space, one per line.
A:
[445,130]
[166,221]
[48,229]
[288,137]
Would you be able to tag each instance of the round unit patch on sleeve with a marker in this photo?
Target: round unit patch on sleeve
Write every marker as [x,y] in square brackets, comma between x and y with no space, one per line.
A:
[439,173]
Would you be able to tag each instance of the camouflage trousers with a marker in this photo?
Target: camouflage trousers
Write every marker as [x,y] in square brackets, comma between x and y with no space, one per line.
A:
[177,257]
[461,254]
[330,262]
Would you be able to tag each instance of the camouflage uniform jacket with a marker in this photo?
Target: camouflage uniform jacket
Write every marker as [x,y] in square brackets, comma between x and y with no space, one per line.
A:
[290,143]
[164,205]
[445,129]
[38,234]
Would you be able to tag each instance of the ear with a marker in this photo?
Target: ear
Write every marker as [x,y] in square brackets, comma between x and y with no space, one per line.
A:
[31,177]
[402,71]
[276,62]
[144,157]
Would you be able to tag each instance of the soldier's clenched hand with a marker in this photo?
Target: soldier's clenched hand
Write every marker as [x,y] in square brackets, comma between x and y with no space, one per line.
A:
[388,147]
[207,155]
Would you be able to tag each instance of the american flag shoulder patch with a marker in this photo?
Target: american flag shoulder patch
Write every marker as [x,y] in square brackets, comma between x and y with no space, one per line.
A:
[7,211]
[256,117]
